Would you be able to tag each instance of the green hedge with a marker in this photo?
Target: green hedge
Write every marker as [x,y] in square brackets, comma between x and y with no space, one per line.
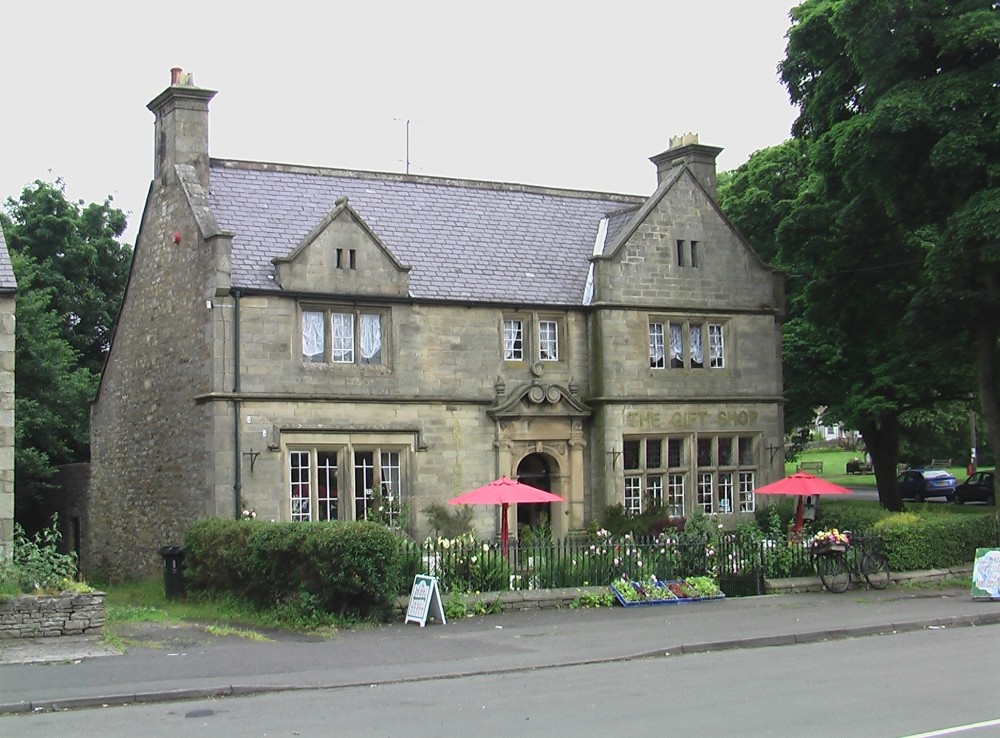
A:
[913,542]
[350,568]
[916,541]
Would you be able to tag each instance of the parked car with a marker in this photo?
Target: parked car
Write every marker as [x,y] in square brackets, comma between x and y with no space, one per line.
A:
[977,488]
[919,484]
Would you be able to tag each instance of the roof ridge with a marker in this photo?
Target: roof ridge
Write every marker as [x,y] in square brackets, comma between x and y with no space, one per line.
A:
[425,179]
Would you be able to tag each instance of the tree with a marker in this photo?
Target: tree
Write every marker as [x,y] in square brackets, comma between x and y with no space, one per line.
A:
[898,107]
[71,274]
[79,260]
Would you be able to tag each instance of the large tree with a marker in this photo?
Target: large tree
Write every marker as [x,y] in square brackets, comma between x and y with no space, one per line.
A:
[851,277]
[899,103]
[71,270]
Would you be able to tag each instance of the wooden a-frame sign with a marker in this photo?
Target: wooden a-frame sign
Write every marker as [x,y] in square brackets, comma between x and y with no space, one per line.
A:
[425,601]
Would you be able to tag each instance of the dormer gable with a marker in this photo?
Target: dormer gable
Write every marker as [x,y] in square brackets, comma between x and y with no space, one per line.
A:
[342,255]
[701,261]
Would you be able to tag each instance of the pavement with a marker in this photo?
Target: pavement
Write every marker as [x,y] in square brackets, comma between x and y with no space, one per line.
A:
[169,662]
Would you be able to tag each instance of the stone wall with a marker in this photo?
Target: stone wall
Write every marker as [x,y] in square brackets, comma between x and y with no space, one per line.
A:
[45,616]
[6,425]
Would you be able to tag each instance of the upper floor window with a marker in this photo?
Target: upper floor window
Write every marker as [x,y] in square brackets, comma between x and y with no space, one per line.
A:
[693,345]
[688,254]
[336,336]
[513,340]
[548,340]
[529,335]
[657,354]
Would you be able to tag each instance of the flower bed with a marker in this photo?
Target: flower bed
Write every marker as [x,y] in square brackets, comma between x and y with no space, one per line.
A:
[655,592]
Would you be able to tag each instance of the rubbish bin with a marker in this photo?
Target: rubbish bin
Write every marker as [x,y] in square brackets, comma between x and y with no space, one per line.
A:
[173,571]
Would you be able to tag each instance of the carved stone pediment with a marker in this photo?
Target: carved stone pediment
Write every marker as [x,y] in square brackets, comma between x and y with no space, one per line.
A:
[538,398]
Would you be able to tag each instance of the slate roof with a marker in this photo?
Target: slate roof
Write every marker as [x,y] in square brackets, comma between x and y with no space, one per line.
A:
[464,240]
[7,281]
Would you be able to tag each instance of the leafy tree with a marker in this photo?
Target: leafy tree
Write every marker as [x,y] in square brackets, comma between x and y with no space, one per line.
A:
[900,103]
[79,259]
[71,274]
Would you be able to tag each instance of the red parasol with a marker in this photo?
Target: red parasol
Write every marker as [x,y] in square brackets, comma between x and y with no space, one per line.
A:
[503,492]
[801,485]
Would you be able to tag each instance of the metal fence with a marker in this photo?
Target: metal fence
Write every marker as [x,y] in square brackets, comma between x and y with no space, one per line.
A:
[740,562]
[476,566]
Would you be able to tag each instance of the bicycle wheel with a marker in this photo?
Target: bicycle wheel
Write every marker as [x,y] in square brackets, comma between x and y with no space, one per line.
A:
[833,573]
[875,569]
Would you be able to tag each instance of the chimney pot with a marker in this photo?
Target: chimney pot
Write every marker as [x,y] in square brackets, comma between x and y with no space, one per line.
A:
[686,151]
[175,75]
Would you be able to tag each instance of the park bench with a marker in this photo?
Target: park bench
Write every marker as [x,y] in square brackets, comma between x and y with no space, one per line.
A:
[811,467]
[940,463]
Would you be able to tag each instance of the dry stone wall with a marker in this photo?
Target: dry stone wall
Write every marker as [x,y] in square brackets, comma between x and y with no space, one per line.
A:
[45,616]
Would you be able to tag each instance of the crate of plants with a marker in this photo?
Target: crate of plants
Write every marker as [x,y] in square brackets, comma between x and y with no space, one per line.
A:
[829,541]
[653,591]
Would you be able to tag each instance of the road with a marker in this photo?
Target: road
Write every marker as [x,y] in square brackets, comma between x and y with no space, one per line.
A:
[906,684]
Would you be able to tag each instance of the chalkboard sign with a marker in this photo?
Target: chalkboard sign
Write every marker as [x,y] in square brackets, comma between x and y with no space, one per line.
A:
[425,601]
[986,574]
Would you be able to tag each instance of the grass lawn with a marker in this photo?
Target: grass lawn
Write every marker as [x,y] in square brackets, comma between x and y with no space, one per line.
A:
[835,467]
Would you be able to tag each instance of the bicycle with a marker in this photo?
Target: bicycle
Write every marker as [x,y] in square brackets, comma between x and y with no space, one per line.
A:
[838,563]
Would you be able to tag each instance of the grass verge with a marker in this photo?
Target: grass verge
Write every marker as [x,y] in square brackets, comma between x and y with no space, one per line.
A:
[146,602]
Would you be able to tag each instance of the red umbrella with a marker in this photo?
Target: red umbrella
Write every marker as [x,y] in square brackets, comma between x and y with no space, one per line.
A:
[801,485]
[503,492]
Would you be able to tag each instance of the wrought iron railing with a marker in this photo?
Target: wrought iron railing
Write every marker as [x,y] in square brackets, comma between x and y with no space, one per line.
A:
[466,565]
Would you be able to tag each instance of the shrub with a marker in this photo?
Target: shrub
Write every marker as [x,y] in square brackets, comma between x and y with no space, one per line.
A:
[36,563]
[847,516]
[350,568]
[914,542]
[449,523]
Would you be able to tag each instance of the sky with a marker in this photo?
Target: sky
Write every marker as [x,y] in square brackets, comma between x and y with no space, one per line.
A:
[559,94]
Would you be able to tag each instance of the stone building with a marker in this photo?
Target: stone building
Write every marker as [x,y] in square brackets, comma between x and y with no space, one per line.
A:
[8,299]
[314,343]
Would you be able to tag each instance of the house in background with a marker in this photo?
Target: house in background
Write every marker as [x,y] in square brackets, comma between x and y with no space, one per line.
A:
[316,344]
[8,300]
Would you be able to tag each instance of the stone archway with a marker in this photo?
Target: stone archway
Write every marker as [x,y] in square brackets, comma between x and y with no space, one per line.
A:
[535,470]
[542,426]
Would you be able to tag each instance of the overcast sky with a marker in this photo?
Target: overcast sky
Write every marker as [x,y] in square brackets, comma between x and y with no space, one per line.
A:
[564,94]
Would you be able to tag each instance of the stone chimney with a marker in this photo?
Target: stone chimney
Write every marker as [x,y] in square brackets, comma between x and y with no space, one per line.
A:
[686,151]
[181,128]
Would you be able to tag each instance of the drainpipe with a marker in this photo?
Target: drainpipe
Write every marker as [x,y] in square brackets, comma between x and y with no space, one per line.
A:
[237,408]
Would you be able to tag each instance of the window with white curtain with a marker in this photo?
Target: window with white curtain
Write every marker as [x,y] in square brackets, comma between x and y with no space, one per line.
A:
[689,340]
[338,336]
[529,336]
[513,340]
[548,340]
[657,353]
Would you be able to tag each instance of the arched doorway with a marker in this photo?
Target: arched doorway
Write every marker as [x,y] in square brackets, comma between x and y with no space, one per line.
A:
[536,471]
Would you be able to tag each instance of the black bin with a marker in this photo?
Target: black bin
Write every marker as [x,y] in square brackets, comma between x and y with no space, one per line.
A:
[173,571]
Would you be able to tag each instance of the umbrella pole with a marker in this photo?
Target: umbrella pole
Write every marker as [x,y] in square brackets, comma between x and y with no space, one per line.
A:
[503,530]
[799,514]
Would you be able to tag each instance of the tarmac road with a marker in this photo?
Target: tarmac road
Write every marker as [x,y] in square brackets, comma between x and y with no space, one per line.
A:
[172,663]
